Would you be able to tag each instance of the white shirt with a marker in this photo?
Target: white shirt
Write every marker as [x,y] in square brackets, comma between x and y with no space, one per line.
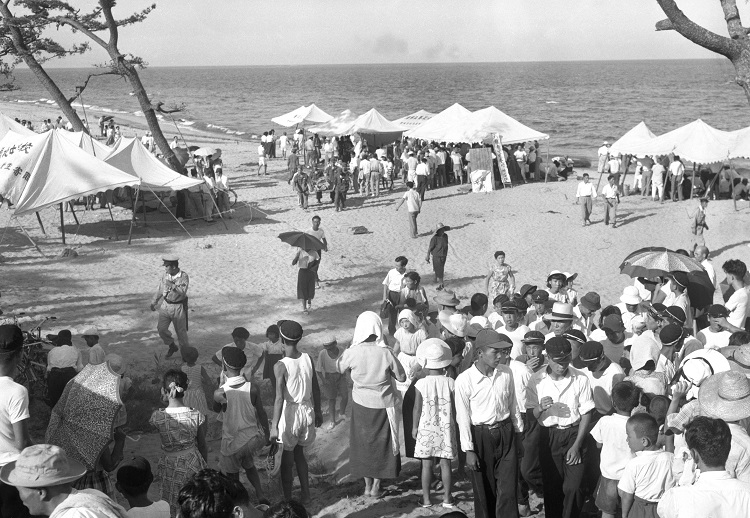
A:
[738,306]
[516,337]
[586,189]
[712,340]
[603,151]
[710,271]
[82,512]
[422,169]
[394,280]
[158,509]
[413,201]
[319,234]
[648,475]
[261,151]
[714,494]
[610,432]
[602,387]
[738,462]
[14,408]
[63,357]
[614,165]
[521,376]
[485,400]
[573,391]
[610,191]
[676,168]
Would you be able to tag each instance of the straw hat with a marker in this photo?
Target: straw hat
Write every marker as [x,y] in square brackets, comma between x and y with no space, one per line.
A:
[591,301]
[740,359]
[42,465]
[454,323]
[440,226]
[446,298]
[631,295]
[725,396]
[434,353]
[90,331]
[561,312]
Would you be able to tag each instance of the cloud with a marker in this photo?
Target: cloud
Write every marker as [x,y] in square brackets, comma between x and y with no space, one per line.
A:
[389,45]
[441,52]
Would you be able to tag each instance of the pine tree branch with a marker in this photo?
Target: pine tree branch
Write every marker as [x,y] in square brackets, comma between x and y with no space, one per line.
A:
[80,90]
[695,33]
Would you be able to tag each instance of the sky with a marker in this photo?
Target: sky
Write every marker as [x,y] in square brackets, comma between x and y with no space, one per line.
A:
[285,32]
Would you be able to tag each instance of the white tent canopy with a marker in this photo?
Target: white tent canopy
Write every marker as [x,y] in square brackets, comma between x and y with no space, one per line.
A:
[335,126]
[373,122]
[697,142]
[7,124]
[637,135]
[440,126]
[741,146]
[482,124]
[38,171]
[87,143]
[302,115]
[134,159]
[415,119]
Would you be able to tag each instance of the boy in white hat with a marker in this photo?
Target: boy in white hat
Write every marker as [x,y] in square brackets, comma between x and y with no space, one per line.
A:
[629,306]
[96,352]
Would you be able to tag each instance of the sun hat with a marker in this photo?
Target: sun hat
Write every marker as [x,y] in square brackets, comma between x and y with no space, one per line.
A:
[434,353]
[473,330]
[680,279]
[605,143]
[90,331]
[533,337]
[637,323]
[116,363]
[631,295]
[740,359]
[170,259]
[540,296]
[561,312]
[726,396]
[42,465]
[643,350]
[614,323]
[570,277]
[454,323]
[234,357]
[591,351]
[698,366]
[440,226]
[717,310]
[290,330]
[556,273]
[446,298]
[490,338]
[11,338]
[558,348]
[591,301]
[480,320]
[527,289]
[575,335]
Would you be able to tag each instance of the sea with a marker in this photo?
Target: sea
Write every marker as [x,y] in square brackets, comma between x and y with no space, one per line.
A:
[579,104]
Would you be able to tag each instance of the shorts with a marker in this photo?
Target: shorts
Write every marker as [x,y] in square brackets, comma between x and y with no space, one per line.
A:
[333,385]
[607,498]
[291,416]
[243,458]
[261,161]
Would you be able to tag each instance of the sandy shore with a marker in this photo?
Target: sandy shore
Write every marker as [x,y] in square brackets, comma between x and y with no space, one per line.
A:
[241,274]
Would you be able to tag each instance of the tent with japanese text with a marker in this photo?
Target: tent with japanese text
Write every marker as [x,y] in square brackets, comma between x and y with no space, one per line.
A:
[38,171]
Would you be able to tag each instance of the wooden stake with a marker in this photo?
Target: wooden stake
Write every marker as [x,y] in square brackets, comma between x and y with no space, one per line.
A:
[114,225]
[39,219]
[133,203]
[73,210]
[32,241]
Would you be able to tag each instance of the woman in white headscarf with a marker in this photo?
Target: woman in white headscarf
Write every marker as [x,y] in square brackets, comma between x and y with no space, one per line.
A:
[373,443]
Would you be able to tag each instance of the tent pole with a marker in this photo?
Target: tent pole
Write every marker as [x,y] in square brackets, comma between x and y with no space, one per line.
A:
[114,225]
[39,219]
[213,199]
[32,241]
[62,223]
[73,210]
[692,183]
[173,216]
[143,206]
[133,203]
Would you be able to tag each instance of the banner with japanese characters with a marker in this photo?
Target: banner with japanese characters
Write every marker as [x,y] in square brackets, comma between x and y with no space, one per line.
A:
[18,153]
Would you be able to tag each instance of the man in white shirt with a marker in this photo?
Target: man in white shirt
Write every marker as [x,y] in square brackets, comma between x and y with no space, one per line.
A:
[738,304]
[585,195]
[676,176]
[613,166]
[521,156]
[513,328]
[422,174]
[561,400]
[392,285]
[701,254]
[413,206]
[715,492]
[320,234]
[603,154]
[629,306]
[488,419]
[602,373]
[283,141]
[611,199]
[657,181]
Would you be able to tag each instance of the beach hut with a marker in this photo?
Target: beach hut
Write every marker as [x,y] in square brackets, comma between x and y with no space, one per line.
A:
[637,135]
[334,127]
[697,142]
[303,114]
[414,120]
[440,126]
[374,128]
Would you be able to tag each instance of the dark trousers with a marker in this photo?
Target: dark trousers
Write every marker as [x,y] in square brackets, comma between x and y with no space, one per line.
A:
[421,185]
[393,296]
[340,200]
[495,483]
[181,203]
[530,472]
[562,483]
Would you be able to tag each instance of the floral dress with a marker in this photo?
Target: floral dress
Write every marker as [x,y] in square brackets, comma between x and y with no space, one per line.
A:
[436,435]
[499,281]
[180,460]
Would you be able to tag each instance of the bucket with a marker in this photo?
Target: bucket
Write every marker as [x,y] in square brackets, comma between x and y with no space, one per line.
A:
[626,189]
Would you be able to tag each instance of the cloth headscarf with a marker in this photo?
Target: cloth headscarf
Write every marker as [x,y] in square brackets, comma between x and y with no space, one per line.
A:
[409,315]
[368,323]
[644,348]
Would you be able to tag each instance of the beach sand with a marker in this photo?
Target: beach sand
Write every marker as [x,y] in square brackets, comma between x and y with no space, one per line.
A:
[242,275]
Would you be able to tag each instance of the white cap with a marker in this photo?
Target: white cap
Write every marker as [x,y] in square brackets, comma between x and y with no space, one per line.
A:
[90,331]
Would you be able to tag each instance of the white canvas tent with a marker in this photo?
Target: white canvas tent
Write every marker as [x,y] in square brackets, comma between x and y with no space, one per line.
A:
[741,146]
[134,159]
[415,119]
[697,142]
[484,123]
[636,135]
[87,143]
[7,124]
[39,171]
[302,115]
[334,127]
[375,128]
[441,125]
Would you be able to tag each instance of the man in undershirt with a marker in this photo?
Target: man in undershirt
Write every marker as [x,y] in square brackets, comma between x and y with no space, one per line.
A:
[513,328]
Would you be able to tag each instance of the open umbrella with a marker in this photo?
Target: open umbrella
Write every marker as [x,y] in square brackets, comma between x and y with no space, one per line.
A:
[204,151]
[700,289]
[657,261]
[302,240]
[83,419]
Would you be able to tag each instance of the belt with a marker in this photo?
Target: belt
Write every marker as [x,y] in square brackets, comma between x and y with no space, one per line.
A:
[493,426]
[177,303]
[586,196]
[564,427]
